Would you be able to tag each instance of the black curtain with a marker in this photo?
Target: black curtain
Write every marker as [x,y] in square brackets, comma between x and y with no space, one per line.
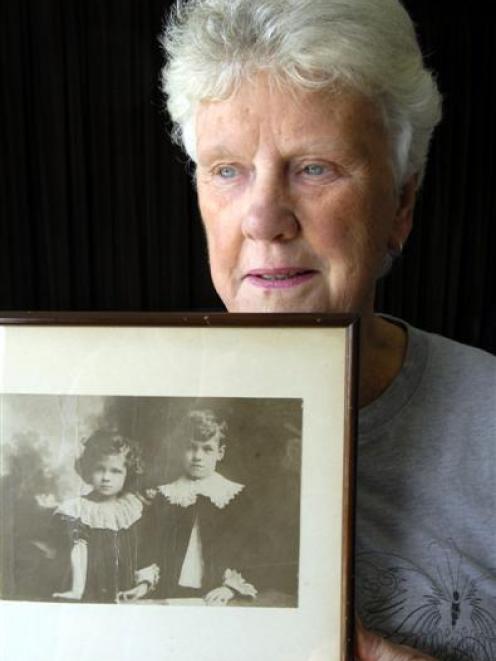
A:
[97,210]
[446,281]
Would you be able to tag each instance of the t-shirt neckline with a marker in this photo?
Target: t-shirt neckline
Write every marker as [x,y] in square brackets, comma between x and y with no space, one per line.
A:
[398,393]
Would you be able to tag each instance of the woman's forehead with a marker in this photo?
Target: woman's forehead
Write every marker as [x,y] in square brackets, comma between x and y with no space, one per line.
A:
[294,120]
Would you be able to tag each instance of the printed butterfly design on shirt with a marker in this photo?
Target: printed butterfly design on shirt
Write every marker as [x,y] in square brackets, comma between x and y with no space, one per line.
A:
[448,611]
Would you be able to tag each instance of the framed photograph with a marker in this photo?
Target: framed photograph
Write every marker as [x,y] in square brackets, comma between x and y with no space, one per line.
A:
[177,486]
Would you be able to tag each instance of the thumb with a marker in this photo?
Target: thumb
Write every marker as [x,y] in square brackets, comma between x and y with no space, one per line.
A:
[371,647]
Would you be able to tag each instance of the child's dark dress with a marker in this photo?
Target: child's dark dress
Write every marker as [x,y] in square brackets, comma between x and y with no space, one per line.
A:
[201,539]
[110,531]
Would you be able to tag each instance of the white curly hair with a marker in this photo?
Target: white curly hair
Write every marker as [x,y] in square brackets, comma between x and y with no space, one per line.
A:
[370,46]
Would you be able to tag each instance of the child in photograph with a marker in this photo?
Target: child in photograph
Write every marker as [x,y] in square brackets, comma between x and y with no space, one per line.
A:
[102,526]
[202,536]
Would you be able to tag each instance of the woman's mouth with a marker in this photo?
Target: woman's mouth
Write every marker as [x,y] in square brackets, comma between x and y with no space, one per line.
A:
[279,278]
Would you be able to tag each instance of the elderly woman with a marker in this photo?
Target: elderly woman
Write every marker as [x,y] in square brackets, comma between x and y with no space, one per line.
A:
[309,123]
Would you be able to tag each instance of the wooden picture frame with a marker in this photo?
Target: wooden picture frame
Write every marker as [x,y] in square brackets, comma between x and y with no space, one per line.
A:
[287,386]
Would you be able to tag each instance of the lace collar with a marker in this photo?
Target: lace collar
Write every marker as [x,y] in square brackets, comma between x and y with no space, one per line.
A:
[217,488]
[118,514]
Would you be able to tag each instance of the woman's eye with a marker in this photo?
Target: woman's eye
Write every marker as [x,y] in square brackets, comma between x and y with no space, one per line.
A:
[314,169]
[226,172]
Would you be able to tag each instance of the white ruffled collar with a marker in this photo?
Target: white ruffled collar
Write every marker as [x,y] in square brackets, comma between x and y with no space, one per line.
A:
[217,488]
[118,514]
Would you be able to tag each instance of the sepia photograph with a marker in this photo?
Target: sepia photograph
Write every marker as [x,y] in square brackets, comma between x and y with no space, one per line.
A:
[132,499]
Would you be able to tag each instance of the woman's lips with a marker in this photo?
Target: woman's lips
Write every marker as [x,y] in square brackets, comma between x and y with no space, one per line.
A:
[279,278]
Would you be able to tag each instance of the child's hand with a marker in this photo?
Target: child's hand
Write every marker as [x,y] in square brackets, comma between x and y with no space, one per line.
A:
[70,595]
[219,596]
[147,497]
[133,594]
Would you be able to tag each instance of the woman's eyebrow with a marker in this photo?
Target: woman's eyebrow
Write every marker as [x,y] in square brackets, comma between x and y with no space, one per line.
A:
[213,152]
[299,146]
[336,145]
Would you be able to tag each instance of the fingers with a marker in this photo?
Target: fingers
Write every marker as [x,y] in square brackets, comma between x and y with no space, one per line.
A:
[130,595]
[217,601]
[217,597]
[127,595]
[371,647]
[69,596]
[214,600]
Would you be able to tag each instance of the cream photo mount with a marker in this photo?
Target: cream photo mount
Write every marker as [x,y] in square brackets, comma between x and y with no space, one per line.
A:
[260,368]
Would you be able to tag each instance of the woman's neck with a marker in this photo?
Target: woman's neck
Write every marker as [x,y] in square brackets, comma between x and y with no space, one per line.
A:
[382,352]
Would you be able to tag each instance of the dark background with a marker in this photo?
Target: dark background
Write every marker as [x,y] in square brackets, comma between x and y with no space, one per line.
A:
[96,206]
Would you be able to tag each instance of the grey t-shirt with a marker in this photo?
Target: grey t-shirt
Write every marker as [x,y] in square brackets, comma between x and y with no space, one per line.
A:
[426,503]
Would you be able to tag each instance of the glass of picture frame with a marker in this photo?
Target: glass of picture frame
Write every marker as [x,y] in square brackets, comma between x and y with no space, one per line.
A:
[250,546]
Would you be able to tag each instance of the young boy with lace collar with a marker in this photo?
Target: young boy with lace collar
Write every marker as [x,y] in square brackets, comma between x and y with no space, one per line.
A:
[201,528]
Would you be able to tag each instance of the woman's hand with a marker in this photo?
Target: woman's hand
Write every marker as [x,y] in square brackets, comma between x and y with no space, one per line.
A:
[138,592]
[219,596]
[70,595]
[371,647]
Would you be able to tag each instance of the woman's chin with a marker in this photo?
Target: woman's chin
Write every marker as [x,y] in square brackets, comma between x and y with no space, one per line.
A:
[310,298]
[277,302]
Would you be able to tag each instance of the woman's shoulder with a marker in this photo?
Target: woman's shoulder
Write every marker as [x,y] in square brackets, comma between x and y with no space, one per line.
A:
[115,515]
[455,357]
[447,357]
[455,372]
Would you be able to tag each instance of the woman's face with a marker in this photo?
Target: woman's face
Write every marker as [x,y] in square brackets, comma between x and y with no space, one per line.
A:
[297,195]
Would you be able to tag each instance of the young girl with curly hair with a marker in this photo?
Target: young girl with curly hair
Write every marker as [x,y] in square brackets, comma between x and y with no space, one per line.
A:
[102,526]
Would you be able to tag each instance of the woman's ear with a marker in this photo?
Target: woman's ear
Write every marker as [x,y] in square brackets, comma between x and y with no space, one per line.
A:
[403,221]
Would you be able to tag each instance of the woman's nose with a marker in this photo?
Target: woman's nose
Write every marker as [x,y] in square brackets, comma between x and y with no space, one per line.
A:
[269,215]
